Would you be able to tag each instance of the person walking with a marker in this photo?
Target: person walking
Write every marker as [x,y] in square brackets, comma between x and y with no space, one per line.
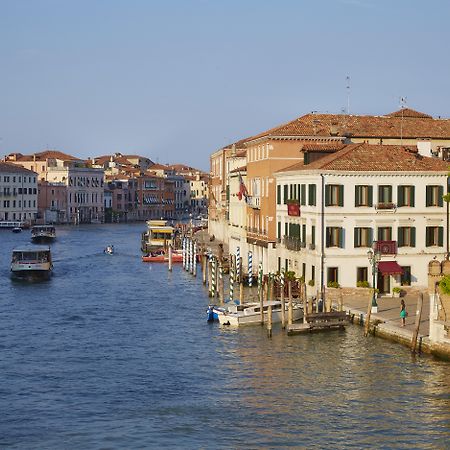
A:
[403,313]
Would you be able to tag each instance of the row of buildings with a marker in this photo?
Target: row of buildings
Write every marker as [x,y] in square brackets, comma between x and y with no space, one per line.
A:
[341,200]
[53,187]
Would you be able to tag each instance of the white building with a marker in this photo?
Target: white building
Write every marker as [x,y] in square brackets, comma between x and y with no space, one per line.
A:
[18,193]
[331,211]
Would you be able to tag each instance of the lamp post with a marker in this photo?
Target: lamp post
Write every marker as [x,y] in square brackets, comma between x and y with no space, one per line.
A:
[374,259]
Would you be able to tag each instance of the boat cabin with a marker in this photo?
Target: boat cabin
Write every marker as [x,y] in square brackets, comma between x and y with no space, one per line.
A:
[158,236]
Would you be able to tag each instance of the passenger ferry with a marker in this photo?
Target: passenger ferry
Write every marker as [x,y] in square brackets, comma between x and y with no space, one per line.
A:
[158,236]
[31,262]
[12,224]
[43,233]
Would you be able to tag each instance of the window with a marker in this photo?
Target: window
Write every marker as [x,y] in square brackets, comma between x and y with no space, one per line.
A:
[434,196]
[279,194]
[405,196]
[363,237]
[363,195]
[334,195]
[434,236]
[285,194]
[361,274]
[384,194]
[406,237]
[313,236]
[333,275]
[335,237]
[405,279]
[303,194]
[384,233]
[312,194]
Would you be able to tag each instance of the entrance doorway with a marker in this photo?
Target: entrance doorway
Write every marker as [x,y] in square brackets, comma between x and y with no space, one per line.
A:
[384,283]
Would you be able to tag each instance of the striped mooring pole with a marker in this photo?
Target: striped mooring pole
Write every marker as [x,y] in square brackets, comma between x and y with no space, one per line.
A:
[194,260]
[250,269]
[232,270]
[213,276]
[238,264]
[260,277]
[184,253]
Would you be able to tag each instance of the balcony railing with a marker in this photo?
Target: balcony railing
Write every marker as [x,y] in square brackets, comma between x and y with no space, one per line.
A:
[254,202]
[293,243]
[385,247]
[386,206]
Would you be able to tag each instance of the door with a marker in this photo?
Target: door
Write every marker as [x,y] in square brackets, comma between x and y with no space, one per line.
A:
[384,283]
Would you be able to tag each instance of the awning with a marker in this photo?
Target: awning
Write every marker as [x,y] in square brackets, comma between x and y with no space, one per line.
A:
[389,268]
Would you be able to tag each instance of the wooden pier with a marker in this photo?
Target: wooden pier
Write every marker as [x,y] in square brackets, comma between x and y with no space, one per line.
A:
[319,322]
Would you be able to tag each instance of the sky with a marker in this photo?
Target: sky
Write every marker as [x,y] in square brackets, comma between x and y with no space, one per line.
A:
[177,80]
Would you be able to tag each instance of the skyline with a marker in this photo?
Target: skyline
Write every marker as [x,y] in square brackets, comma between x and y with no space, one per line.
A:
[179,80]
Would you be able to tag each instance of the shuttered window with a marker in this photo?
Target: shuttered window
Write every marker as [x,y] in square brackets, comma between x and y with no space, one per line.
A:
[363,237]
[335,237]
[434,236]
[405,196]
[434,196]
[406,237]
[363,195]
[312,194]
[334,195]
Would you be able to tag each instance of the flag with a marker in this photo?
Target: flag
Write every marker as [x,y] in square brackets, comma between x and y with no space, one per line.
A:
[242,189]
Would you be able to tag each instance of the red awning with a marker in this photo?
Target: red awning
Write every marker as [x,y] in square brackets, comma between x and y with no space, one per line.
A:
[389,268]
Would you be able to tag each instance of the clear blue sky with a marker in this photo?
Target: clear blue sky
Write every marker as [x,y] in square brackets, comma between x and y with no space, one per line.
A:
[176,80]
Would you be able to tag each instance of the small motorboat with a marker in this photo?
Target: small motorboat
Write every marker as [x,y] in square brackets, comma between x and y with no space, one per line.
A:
[109,250]
[16,230]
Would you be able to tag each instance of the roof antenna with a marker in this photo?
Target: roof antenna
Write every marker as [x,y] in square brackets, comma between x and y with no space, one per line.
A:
[348,94]
[402,107]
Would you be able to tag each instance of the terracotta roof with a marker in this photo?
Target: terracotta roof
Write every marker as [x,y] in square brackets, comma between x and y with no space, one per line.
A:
[374,158]
[414,125]
[48,154]
[14,168]
[239,169]
[408,112]
[323,148]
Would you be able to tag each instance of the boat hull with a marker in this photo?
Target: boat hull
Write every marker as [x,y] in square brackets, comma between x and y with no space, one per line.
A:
[237,319]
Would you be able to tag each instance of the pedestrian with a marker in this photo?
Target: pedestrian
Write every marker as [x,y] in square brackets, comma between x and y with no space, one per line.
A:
[403,312]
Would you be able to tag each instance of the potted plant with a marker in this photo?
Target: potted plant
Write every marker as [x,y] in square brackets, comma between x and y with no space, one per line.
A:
[333,284]
[311,283]
[362,284]
[396,291]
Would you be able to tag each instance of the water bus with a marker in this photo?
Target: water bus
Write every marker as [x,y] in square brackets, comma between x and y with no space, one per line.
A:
[158,236]
[12,224]
[43,233]
[31,262]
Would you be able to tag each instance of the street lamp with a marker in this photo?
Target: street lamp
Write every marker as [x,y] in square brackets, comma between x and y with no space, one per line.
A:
[374,259]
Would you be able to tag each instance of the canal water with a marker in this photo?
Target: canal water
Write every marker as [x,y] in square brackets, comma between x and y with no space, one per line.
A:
[116,353]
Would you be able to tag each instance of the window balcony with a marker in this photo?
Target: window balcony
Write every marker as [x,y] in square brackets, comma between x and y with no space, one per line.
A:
[385,247]
[386,206]
[293,243]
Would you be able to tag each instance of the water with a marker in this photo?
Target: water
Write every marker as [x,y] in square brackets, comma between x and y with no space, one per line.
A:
[115,353]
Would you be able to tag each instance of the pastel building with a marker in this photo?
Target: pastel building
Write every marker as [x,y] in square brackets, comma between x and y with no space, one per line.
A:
[331,211]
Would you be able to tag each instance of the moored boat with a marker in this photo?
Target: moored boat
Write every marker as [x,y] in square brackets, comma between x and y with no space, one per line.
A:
[16,230]
[43,233]
[162,256]
[31,262]
[250,313]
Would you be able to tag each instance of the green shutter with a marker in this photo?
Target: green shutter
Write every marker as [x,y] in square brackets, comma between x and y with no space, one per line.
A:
[312,194]
[428,195]
[401,236]
[304,234]
[401,196]
[413,200]
[440,196]
[285,189]
[341,195]
[390,194]
[427,236]
[279,195]
[371,237]
[355,238]
[357,196]
[303,194]
[341,238]
[413,236]
[441,236]
[327,237]
[313,234]
[327,195]
[290,192]
[279,230]
[370,195]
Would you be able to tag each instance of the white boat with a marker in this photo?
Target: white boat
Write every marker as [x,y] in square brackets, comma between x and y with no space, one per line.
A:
[109,250]
[250,313]
[43,233]
[31,262]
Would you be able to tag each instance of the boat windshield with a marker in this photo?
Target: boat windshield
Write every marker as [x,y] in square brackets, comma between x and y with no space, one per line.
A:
[30,256]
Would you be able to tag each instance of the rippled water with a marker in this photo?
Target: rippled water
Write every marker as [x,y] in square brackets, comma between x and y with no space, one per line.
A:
[114,353]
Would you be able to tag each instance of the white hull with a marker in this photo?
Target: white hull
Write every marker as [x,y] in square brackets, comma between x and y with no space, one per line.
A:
[251,317]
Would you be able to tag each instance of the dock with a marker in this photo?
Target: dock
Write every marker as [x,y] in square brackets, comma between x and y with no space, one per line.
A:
[323,321]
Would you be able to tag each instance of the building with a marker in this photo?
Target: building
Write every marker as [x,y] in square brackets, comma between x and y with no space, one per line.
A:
[18,193]
[155,197]
[331,211]
[52,202]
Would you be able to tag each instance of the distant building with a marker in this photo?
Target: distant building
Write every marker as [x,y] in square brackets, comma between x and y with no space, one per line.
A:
[52,202]
[18,193]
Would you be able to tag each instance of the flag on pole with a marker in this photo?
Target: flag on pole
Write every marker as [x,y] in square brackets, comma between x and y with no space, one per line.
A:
[242,189]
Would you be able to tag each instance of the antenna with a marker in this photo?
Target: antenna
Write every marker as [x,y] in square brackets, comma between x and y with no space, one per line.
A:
[402,107]
[348,94]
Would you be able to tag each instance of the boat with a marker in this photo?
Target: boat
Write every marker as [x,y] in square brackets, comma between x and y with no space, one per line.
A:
[109,249]
[158,236]
[43,233]
[16,230]
[161,256]
[31,262]
[12,224]
[250,313]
